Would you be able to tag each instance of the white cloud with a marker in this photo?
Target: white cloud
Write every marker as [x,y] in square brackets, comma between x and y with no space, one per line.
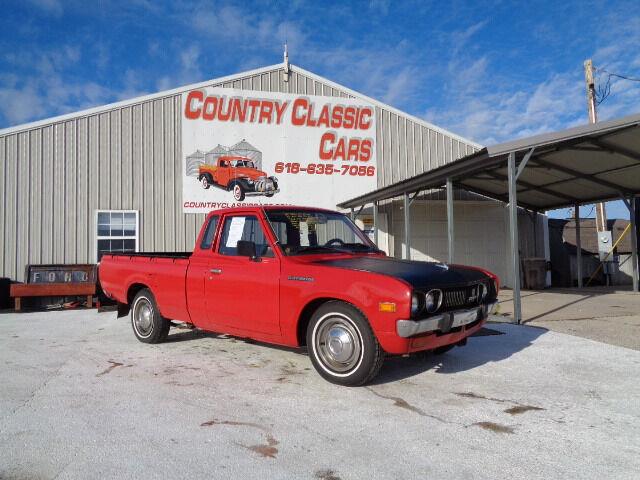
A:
[490,107]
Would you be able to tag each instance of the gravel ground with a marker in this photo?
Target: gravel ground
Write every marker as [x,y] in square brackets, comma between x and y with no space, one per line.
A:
[81,398]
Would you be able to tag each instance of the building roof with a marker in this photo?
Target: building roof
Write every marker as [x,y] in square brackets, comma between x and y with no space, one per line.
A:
[579,165]
[231,78]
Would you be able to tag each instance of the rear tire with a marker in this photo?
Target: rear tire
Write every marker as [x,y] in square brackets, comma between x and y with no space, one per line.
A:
[342,346]
[148,325]
[205,181]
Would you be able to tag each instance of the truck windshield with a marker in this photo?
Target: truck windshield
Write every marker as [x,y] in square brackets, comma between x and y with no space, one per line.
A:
[301,232]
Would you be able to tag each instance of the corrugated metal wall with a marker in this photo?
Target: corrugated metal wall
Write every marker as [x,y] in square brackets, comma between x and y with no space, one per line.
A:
[54,177]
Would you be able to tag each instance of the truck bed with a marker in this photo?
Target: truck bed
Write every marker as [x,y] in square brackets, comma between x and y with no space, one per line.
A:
[162,272]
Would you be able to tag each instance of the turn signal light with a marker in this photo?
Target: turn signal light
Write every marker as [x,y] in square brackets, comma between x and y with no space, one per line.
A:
[388,307]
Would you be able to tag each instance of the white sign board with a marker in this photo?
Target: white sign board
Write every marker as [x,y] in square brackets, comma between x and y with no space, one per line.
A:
[242,147]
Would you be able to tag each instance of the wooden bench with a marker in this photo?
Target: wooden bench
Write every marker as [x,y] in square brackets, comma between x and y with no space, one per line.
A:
[19,290]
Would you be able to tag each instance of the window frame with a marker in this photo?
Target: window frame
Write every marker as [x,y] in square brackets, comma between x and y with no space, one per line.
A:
[135,237]
[221,225]
[211,247]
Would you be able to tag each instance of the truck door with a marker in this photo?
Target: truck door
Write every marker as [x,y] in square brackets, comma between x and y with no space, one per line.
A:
[242,292]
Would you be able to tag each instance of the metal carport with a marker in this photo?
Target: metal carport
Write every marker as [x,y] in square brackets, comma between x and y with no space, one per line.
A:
[573,167]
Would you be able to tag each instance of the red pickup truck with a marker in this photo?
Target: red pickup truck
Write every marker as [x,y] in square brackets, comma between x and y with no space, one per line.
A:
[301,277]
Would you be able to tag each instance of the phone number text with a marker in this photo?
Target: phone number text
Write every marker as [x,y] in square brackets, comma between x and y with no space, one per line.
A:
[326,169]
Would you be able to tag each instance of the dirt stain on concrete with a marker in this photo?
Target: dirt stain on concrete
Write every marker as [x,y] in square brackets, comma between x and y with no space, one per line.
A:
[494,427]
[402,403]
[266,450]
[519,409]
[326,475]
[108,370]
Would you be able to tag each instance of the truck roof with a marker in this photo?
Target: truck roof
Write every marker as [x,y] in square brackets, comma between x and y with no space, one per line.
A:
[257,209]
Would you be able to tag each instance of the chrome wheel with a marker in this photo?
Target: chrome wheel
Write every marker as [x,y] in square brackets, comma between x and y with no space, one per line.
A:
[337,343]
[143,317]
[237,192]
[204,182]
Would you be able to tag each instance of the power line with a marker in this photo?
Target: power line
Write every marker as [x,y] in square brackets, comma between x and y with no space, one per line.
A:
[604,88]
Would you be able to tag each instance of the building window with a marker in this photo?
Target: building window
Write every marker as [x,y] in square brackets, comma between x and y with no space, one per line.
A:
[117,231]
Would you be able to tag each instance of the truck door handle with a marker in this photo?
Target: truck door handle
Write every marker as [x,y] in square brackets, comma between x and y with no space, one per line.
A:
[216,271]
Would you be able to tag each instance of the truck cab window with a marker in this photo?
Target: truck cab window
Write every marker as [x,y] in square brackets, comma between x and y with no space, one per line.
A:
[207,239]
[246,228]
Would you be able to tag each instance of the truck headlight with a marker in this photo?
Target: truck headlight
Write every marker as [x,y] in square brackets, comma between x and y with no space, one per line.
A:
[433,300]
[275,179]
[415,303]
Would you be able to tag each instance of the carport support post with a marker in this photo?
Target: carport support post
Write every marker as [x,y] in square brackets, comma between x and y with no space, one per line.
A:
[407,227]
[513,227]
[578,246]
[634,242]
[450,218]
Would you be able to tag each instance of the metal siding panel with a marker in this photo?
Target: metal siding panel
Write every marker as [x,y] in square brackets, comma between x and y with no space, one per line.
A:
[115,160]
[3,199]
[410,149]
[23,199]
[177,187]
[35,188]
[388,161]
[402,148]
[395,148]
[104,162]
[170,178]
[126,157]
[70,186]
[379,147]
[137,161]
[159,176]
[82,189]
[58,214]
[47,194]
[93,183]
[10,206]
[448,148]
[149,176]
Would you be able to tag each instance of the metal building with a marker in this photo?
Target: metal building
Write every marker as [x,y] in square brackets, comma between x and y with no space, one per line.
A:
[62,178]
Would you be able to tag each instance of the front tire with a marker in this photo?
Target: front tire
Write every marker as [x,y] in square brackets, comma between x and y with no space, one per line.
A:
[342,346]
[238,192]
[148,325]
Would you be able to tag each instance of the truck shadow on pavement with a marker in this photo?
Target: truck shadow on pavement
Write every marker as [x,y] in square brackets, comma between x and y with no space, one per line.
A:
[490,347]
[479,351]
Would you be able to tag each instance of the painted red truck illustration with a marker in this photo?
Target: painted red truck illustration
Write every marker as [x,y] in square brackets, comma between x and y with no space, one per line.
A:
[238,175]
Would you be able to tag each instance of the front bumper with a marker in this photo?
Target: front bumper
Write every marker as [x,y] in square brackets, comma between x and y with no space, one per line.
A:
[444,322]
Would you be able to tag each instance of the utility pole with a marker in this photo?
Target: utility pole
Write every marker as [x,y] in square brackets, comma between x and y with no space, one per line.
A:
[601,212]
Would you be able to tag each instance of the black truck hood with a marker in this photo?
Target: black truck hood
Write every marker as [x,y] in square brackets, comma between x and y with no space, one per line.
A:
[418,274]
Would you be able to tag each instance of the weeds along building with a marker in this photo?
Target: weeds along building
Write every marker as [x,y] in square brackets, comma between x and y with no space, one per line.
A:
[133,175]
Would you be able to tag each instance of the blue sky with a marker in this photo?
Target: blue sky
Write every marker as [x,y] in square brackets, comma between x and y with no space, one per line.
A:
[490,71]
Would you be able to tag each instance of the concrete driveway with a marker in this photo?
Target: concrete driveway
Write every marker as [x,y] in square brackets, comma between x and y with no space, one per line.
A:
[610,315]
[81,398]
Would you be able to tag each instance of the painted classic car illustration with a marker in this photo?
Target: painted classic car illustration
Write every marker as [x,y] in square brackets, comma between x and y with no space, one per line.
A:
[238,175]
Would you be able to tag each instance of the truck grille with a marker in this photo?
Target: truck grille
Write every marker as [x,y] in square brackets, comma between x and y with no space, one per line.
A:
[461,297]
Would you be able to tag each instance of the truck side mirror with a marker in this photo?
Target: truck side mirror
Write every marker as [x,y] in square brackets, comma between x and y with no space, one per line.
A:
[247,249]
